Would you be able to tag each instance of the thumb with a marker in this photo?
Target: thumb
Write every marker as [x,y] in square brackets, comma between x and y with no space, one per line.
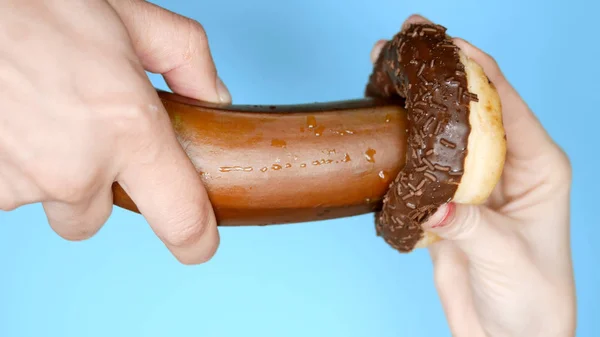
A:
[482,234]
[175,46]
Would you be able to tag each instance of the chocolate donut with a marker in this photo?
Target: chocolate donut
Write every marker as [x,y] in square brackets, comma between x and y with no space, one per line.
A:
[429,131]
[456,141]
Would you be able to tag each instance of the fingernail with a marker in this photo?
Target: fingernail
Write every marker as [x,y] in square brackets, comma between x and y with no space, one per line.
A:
[223,92]
[442,217]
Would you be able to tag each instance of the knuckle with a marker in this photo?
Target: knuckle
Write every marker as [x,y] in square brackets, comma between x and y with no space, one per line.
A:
[197,39]
[563,169]
[137,119]
[465,223]
[139,127]
[196,29]
[7,205]
[72,190]
[491,66]
[77,222]
[67,186]
[491,60]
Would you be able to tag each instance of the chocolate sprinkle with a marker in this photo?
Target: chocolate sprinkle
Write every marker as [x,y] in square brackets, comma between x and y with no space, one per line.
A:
[447,143]
[427,72]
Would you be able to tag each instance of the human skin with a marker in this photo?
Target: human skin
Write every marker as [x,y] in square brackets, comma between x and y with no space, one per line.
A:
[512,254]
[504,268]
[79,113]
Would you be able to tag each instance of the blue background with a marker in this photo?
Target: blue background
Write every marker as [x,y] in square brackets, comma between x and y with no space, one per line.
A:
[321,279]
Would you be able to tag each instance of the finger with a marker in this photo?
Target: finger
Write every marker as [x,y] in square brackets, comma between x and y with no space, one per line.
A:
[472,229]
[454,288]
[81,220]
[525,134]
[415,19]
[377,50]
[167,190]
[174,46]
[526,137]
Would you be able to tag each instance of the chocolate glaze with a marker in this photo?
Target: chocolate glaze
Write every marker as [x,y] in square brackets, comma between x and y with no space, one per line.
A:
[422,65]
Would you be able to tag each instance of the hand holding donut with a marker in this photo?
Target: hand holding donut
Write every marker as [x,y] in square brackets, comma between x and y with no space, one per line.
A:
[79,113]
[503,268]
